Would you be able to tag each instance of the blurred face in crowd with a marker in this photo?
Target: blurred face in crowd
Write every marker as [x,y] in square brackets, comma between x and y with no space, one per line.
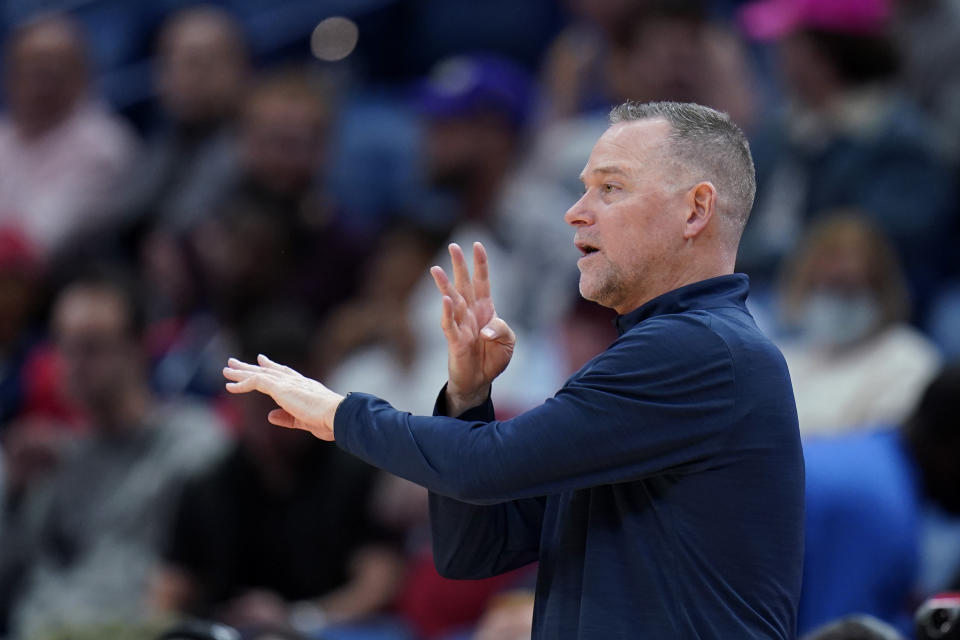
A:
[202,67]
[101,356]
[807,74]
[839,286]
[460,147]
[665,62]
[841,265]
[283,141]
[46,74]
[630,220]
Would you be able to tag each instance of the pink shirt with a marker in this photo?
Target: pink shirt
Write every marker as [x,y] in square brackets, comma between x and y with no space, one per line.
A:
[56,184]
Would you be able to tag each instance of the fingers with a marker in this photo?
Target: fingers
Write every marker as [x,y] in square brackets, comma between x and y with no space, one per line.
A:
[481,273]
[443,282]
[270,364]
[458,303]
[252,379]
[281,418]
[497,330]
[447,320]
[244,386]
[239,364]
[447,289]
[461,275]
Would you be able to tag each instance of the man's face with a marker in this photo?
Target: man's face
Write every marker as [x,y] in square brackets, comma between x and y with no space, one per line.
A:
[91,327]
[201,71]
[44,76]
[630,220]
[282,143]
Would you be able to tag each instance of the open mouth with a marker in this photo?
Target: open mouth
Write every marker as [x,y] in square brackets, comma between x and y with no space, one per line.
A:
[585,248]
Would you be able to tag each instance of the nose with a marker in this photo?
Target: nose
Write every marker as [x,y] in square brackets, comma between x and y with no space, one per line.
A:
[579,214]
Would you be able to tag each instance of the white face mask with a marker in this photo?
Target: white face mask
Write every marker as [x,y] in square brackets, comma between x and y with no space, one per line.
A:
[831,319]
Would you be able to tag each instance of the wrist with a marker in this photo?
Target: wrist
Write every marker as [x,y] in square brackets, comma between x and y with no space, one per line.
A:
[331,416]
[458,402]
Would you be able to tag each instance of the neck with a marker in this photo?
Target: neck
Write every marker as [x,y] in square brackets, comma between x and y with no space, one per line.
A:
[692,268]
[34,124]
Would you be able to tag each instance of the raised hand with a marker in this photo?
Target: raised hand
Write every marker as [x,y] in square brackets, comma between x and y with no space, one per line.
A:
[303,403]
[479,344]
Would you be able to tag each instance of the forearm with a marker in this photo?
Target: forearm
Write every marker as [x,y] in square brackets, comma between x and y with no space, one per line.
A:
[473,541]
[478,541]
[375,576]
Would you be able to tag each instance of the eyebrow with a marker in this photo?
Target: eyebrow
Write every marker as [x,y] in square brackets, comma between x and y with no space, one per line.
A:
[605,171]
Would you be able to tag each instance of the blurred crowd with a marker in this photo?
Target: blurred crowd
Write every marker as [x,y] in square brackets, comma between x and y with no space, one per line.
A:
[183,182]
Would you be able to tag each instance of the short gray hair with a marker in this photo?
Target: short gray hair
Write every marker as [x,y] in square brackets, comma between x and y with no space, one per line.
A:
[708,142]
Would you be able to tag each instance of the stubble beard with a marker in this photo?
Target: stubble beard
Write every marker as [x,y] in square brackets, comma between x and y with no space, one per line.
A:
[606,288]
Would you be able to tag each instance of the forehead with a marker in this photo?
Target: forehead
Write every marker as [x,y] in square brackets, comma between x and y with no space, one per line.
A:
[89,309]
[630,147]
[46,38]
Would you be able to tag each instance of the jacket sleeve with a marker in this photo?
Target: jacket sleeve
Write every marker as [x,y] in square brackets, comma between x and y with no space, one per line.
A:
[478,541]
[663,397]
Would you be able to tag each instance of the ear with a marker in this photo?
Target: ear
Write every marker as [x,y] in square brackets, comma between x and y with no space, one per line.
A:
[701,204]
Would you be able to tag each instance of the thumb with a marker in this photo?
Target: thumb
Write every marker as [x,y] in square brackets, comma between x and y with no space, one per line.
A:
[497,330]
[281,418]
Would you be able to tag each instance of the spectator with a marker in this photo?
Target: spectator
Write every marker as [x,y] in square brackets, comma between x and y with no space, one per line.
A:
[574,76]
[674,51]
[650,50]
[855,360]
[294,241]
[84,545]
[869,499]
[201,75]
[356,344]
[476,110]
[201,71]
[847,137]
[61,151]
[260,539]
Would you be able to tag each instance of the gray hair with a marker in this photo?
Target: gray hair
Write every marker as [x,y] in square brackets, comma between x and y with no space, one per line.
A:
[709,143]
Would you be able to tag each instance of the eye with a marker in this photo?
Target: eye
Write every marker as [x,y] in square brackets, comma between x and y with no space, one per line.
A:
[608,188]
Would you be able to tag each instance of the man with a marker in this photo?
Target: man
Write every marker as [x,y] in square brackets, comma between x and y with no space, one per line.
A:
[85,542]
[661,489]
[61,151]
[201,73]
[252,542]
[274,233]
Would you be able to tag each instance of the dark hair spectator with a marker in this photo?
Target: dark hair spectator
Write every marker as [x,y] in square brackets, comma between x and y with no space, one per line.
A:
[275,233]
[81,550]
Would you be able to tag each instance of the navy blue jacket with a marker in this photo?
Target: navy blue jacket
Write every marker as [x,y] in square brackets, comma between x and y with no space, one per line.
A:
[661,489]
